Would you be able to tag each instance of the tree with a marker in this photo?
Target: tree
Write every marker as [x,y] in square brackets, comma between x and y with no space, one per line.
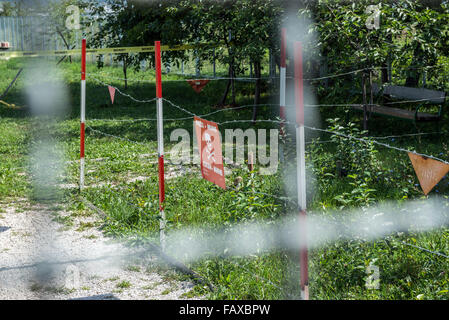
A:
[246,28]
[243,28]
[409,34]
[6,9]
[257,25]
[138,23]
[56,12]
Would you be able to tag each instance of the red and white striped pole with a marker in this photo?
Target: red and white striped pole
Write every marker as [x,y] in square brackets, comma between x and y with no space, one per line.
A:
[160,141]
[301,170]
[83,111]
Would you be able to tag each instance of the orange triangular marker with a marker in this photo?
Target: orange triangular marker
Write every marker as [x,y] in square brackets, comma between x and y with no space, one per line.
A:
[429,171]
[112,93]
[198,85]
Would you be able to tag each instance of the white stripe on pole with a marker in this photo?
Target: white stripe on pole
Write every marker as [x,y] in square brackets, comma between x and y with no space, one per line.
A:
[83,101]
[160,150]
[160,128]
[162,226]
[301,165]
[82,166]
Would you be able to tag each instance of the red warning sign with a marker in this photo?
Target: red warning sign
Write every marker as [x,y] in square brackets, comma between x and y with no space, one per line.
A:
[198,85]
[209,146]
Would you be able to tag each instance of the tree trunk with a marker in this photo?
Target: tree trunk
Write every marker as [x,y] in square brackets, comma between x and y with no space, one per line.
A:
[413,73]
[385,73]
[233,90]
[225,94]
[125,69]
[233,104]
[65,42]
[257,91]
[412,79]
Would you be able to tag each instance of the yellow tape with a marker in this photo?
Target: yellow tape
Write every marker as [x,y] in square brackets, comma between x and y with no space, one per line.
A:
[19,54]
[12,106]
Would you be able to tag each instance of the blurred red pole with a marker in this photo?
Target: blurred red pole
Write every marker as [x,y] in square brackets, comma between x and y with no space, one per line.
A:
[301,169]
[83,111]
[160,141]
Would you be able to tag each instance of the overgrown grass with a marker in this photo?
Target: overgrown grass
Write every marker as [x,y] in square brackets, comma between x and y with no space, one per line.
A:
[121,180]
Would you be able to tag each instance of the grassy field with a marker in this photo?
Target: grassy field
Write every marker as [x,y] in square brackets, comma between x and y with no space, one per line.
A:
[122,181]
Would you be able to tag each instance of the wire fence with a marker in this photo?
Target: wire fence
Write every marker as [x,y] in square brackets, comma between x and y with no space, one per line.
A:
[271,78]
[291,201]
[191,114]
[425,250]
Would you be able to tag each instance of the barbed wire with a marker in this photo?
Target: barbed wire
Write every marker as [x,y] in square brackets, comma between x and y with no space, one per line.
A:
[108,76]
[406,135]
[287,122]
[284,199]
[337,75]
[365,140]
[338,105]
[253,121]
[179,107]
[114,136]
[190,117]
[124,94]
[205,77]
[245,106]
[426,250]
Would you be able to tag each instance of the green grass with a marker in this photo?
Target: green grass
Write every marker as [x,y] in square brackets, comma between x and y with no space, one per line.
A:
[337,270]
[124,285]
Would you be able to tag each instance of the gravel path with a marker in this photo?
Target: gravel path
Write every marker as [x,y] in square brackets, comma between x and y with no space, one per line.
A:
[49,253]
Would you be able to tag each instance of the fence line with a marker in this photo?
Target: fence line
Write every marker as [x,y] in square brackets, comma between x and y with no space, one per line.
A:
[124,94]
[192,114]
[244,79]
[426,250]
[252,79]
[376,142]
[116,137]
[187,118]
[273,121]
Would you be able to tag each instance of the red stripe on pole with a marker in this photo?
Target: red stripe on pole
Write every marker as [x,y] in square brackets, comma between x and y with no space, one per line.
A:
[283,117]
[157,45]
[161,182]
[82,140]
[283,47]
[282,112]
[299,86]
[83,60]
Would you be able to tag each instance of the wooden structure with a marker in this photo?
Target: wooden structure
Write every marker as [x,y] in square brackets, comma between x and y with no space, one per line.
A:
[393,96]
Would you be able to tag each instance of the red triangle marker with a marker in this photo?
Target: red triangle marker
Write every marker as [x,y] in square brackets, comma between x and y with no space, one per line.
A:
[198,85]
[429,171]
[112,93]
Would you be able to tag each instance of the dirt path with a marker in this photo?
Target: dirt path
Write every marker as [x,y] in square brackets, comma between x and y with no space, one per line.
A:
[49,253]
